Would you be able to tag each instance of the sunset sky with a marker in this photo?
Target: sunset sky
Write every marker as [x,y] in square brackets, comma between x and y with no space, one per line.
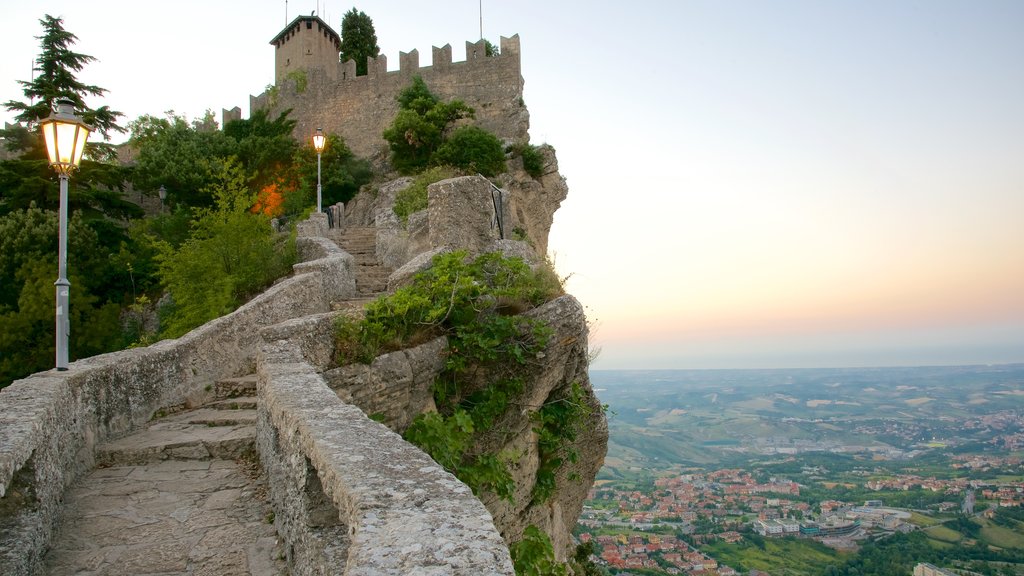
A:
[752,184]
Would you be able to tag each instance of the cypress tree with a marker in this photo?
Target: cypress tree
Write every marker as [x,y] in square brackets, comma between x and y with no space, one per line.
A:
[358,39]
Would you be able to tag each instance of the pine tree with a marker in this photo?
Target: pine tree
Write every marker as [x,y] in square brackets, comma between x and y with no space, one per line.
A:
[56,68]
[99,184]
[358,39]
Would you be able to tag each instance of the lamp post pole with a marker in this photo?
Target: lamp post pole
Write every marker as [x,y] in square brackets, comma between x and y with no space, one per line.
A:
[318,143]
[65,135]
[162,192]
[63,327]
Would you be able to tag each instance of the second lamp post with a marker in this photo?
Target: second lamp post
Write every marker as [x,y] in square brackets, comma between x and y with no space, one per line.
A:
[318,144]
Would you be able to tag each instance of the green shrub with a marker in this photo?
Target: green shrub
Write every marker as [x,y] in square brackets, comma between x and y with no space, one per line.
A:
[473,149]
[533,160]
[231,255]
[413,197]
[535,556]
[476,305]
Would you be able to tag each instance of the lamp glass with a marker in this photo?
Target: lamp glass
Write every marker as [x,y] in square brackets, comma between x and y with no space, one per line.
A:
[65,141]
[319,140]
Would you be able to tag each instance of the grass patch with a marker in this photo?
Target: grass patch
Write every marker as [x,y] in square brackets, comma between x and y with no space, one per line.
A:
[413,197]
[944,534]
[1001,536]
[775,555]
[919,519]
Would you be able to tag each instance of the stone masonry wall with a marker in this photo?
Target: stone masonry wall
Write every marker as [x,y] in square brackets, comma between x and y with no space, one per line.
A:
[359,108]
[52,421]
[351,496]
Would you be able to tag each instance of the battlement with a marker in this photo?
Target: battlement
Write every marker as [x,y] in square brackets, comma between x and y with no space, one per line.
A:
[325,93]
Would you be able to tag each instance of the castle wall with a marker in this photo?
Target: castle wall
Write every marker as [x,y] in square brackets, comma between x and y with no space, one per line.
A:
[359,108]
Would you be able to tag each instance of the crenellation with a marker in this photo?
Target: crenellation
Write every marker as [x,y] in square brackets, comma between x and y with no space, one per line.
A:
[475,50]
[442,57]
[348,70]
[409,62]
[509,46]
[359,108]
[377,67]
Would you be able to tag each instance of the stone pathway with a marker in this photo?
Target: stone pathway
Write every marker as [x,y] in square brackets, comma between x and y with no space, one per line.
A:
[361,243]
[182,497]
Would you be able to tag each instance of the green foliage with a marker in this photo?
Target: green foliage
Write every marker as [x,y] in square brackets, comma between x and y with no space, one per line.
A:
[413,197]
[358,39]
[535,556]
[28,267]
[265,147]
[174,154]
[533,160]
[97,187]
[473,149]
[490,49]
[557,424]
[55,79]
[469,302]
[583,565]
[230,256]
[419,128]
[341,173]
[300,78]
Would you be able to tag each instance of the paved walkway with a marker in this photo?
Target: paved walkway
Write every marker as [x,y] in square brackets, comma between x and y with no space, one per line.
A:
[182,497]
[174,517]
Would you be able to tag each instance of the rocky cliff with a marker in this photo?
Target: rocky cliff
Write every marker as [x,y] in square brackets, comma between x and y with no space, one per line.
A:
[463,214]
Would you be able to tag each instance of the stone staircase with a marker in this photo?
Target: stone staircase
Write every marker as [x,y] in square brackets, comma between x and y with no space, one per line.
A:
[361,243]
[183,496]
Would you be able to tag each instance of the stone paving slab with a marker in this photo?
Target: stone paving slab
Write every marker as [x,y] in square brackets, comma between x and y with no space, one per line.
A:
[167,518]
[177,440]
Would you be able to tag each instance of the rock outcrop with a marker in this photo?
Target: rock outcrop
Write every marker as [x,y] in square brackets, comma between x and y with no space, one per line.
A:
[461,215]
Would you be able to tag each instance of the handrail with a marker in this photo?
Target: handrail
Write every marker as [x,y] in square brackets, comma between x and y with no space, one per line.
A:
[499,207]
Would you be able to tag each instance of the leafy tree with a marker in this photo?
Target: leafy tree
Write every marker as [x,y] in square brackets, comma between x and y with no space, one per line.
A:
[174,154]
[419,128]
[230,256]
[264,147]
[28,266]
[358,39]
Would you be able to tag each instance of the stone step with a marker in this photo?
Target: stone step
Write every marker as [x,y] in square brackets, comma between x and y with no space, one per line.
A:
[235,387]
[183,442]
[239,403]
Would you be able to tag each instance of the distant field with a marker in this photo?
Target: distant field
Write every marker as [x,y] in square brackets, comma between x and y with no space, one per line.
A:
[795,557]
[922,520]
[1001,536]
[944,534]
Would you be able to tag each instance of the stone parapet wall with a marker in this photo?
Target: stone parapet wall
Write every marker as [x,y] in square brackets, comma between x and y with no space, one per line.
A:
[52,421]
[351,496]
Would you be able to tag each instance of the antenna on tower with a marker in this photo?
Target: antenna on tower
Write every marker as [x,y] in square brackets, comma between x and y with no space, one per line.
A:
[285,12]
[481,19]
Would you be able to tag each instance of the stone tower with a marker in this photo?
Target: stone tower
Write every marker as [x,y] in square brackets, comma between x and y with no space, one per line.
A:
[308,43]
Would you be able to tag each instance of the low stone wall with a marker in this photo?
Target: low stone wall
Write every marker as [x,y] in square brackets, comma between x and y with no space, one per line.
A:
[51,422]
[351,496]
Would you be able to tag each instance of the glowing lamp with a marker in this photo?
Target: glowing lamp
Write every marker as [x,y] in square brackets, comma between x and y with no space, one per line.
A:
[65,136]
[319,140]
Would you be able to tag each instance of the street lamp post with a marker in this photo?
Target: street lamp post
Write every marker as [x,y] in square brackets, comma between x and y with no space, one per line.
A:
[162,192]
[318,144]
[65,136]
